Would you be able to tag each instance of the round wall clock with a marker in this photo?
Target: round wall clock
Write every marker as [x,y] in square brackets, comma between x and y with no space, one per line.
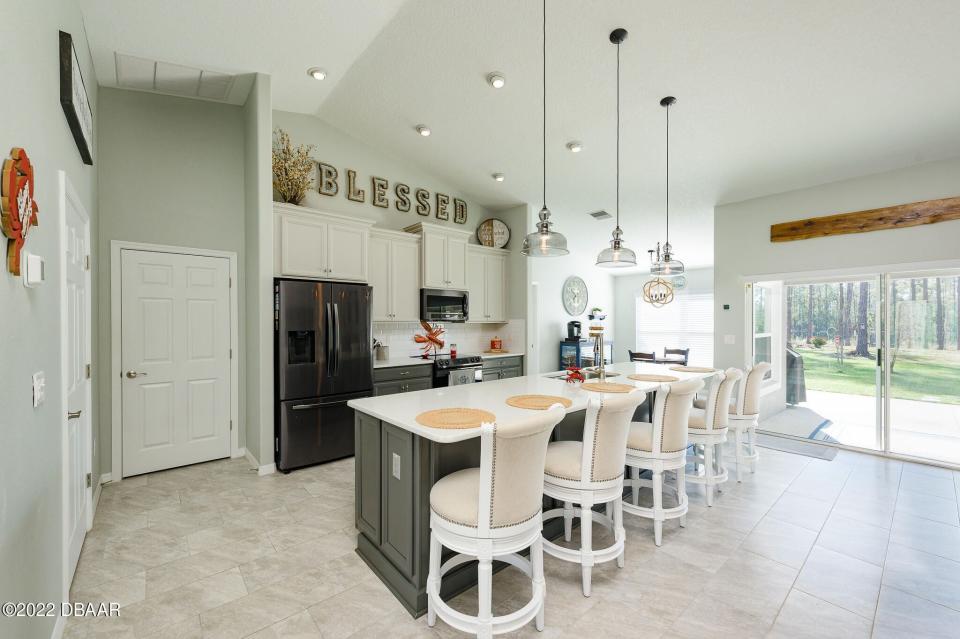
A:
[574,295]
[493,232]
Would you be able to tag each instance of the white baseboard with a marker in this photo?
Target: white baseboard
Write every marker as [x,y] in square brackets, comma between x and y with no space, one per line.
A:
[267,469]
[238,452]
[250,458]
[58,628]
[106,478]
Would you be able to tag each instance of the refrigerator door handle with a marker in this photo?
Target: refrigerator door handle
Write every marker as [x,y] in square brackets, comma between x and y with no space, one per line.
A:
[330,344]
[305,406]
[336,336]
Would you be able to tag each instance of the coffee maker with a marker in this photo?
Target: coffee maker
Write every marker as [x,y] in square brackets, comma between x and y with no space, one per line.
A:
[573,330]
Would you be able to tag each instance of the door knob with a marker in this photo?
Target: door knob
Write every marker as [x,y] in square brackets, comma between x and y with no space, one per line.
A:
[135,374]
[73,414]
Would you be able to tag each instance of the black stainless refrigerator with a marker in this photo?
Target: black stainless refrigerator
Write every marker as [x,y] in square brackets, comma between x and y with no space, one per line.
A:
[323,358]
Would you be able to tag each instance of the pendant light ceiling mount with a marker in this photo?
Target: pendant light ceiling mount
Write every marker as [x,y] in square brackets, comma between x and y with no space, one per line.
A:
[543,242]
[617,255]
[662,263]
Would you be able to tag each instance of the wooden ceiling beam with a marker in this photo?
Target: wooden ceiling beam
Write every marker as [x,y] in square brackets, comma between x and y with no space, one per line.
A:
[891,217]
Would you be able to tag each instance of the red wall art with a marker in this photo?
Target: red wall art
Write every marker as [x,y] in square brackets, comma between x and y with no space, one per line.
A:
[19,211]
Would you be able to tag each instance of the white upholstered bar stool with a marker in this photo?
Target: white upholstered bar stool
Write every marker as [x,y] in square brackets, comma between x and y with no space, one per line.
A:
[658,447]
[493,512]
[590,472]
[744,417]
[707,431]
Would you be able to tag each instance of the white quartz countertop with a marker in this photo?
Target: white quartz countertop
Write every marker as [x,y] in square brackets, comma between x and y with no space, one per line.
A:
[401,409]
[394,362]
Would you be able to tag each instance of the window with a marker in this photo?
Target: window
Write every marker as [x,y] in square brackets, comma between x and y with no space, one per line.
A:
[687,322]
[766,334]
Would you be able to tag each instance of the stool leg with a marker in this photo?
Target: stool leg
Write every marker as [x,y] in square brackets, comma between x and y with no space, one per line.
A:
[536,563]
[752,438]
[708,472]
[586,545]
[657,506]
[682,492]
[433,578]
[485,597]
[567,520]
[739,450]
[635,485]
[619,534]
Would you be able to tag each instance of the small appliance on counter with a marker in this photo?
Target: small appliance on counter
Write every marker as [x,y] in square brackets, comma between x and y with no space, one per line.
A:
[573,330]
[323,358]
[496,344]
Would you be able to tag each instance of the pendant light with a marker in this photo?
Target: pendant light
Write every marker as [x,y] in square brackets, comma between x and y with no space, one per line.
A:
[543,242]
[663,264]
[617,255]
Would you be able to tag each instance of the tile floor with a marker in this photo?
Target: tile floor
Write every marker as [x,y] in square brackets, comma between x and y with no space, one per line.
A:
[855,547]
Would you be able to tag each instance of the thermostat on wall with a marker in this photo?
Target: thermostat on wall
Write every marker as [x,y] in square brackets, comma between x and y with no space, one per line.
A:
[32,269]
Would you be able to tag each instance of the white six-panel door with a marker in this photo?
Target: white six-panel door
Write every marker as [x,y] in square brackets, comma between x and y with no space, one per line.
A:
[175,359]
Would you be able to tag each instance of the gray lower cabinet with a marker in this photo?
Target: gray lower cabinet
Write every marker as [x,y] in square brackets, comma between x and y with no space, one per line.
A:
[491,374]
[367,490]
[401,379]
[506,373]
[495,368]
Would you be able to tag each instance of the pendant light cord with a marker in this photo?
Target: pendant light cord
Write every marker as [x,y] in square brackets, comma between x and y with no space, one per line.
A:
[668,174]
[544,103]
[618,135]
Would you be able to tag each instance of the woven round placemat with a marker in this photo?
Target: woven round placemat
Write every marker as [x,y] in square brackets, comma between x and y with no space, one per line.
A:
[455,418]
[537,402]
[650,377]
[607,387]
[693,369]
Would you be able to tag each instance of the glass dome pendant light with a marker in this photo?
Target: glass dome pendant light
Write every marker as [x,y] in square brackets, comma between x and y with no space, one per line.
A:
[543,242]
[663,263]
[617,255]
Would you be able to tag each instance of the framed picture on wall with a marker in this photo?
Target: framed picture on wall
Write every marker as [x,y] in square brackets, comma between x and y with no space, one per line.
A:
[74,100]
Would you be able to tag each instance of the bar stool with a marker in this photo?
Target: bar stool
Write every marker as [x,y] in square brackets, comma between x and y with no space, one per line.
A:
[590,472]
[661,446]
[707,431]
[493,512]
[744,417]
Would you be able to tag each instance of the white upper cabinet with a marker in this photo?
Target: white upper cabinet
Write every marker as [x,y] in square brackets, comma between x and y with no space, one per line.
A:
[395,276]
[487,283]
[444,256]
[314,244]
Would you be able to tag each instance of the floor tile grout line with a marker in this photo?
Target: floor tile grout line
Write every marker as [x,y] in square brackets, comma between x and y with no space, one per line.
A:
[886,554]
[916,596]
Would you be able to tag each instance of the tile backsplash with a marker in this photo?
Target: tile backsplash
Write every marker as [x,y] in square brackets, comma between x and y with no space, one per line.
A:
[471,339]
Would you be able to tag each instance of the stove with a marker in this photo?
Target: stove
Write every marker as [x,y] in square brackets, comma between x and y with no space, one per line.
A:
[466,369]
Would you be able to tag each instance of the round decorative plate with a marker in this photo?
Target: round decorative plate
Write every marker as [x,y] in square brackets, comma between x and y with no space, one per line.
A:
[575,295]
[493,232]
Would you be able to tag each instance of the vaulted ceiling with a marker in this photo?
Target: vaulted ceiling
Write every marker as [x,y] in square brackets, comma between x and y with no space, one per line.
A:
[772,96]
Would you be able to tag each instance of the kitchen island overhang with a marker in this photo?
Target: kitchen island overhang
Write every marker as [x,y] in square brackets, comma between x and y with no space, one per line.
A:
[398,461]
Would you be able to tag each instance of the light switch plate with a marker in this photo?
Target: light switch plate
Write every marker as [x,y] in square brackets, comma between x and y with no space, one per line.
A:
[39,388]
[396,466]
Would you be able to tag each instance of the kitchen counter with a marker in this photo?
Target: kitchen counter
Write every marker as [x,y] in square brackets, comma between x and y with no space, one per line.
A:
[499,355]
[402,409]
[398,461]
[394,362]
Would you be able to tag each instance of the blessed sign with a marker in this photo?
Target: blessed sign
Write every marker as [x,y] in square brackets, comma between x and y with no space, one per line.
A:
[440,204]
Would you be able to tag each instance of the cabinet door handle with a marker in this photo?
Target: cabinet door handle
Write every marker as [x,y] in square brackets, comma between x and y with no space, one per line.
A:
[73,414]
[404,372]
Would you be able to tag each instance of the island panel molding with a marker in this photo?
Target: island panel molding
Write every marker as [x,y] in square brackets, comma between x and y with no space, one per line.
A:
[890,217]
[328,183]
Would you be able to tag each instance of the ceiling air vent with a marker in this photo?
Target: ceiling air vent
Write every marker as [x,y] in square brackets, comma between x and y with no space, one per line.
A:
[175,79]
[600,215]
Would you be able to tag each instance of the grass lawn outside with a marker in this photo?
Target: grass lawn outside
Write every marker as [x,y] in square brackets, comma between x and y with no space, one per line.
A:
[931,375]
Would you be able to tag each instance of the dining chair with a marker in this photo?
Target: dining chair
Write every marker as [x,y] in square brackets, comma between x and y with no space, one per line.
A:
[660,446]
[682,352]
[588,473]
[493,511]
[642,357]
[707,431]
[744,417]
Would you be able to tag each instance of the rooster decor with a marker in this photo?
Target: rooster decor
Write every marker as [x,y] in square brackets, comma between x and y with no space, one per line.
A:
[431,339]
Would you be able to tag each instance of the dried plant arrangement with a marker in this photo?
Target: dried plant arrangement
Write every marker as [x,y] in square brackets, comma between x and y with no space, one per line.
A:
[292,168]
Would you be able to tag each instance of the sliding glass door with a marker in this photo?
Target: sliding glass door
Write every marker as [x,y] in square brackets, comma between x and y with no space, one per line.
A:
[923,365]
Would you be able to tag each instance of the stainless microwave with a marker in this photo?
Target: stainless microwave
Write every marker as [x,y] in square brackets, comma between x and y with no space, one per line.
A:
[442,305]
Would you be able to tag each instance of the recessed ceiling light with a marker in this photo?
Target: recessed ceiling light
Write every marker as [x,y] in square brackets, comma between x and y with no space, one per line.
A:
[423,130]
[574,147]
[496,80]
[498,177]
[316,73]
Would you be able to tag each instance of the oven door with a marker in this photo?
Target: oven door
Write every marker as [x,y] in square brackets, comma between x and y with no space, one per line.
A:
[470,375]
[441,305]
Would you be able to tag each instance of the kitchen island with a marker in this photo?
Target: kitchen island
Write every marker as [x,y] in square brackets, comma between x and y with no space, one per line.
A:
[398,460]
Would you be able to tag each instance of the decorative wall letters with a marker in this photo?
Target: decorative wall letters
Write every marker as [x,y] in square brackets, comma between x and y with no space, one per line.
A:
[328,184]
[19,211]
